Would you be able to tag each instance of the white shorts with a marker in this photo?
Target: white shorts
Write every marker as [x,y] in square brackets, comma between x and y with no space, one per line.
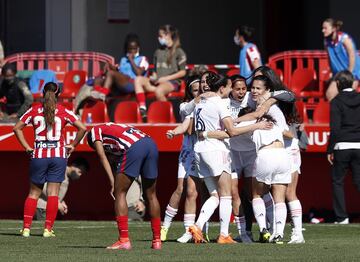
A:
[212,163]
[211,184]
[295,159]
[242,162]
[272,166]
[186,163]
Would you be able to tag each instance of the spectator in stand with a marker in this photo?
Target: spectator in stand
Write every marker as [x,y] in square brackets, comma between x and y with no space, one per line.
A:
[342,53]
[74,171]
[17,94]
[169,62]
[131,65]
[249,58]
[2,56]
[344,144]
[119,79]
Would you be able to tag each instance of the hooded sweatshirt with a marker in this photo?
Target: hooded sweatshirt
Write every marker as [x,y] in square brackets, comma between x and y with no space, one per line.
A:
[344,119]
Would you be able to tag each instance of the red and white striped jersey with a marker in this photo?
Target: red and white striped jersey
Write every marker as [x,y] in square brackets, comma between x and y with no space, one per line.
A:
[49,141]
[116,138]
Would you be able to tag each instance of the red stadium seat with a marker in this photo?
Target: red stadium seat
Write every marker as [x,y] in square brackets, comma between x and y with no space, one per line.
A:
[127,112]
[59,67]
[303,83]
[160,112]
[302,110]
[233,71]
[322,113]
[73,81]
[98,111]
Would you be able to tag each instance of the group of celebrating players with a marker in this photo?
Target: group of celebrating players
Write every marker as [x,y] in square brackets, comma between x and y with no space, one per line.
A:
[229,133]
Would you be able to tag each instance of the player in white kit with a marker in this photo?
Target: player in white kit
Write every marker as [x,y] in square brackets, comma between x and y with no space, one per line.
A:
[186,157]
[212,155]
[272,166]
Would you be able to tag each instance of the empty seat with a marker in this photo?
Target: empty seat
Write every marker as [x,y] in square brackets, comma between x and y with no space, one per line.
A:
[95,112]
[127,112]
[303,83]
[160,112]
[73,81]
[322,113]
[233,71]
[302,111]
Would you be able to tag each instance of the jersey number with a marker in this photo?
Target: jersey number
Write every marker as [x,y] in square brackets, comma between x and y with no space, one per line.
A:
[200,125]
[52,134]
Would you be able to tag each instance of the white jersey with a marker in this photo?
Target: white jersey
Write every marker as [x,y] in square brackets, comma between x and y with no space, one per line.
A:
[278,115]
[244,141]
[292,143]
[208,116]
[263,138]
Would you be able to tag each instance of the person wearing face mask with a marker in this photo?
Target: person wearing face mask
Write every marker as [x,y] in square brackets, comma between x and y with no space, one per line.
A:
[74,171]
[342,54]
[17,94]
[169,62]
[249,58]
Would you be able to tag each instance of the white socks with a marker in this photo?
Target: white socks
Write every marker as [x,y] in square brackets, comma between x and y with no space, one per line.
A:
[280,218]
[241,225]
[296,214]
[269,205]
[207,210]
[170,213]
[189,220]
[225,214]
[259,212]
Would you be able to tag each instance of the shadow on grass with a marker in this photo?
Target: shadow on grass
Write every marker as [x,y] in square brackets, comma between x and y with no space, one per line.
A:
[79,247]
[19,235]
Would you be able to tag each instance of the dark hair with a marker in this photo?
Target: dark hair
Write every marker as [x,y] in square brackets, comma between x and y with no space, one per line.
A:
[334,23]
[216,81]
[245,110]
[8,66]
[81,163]
[268,118]
[129,39]
[208,73]
[188,91]
[174,33]
[89,139]
[235,78]
[290,112]
[344,79]
[50,92]
[274,78]
[267,82]
[246,32]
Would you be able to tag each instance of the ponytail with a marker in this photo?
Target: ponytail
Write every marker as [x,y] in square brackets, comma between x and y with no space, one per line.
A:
[50,93]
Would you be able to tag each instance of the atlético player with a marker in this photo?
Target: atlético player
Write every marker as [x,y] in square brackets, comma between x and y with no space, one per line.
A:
[125,153]
[49,155]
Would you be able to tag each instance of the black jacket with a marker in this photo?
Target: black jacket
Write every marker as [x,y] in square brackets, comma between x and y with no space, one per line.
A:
[344,119]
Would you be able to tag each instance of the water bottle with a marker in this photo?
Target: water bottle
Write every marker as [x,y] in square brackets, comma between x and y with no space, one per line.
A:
[89,118]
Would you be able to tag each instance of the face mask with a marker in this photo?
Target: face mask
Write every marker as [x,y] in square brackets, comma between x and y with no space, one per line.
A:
[73,175]
[137,54]
[162,41]
[236,40]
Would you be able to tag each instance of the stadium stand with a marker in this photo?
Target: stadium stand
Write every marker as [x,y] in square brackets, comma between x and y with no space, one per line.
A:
[161,112]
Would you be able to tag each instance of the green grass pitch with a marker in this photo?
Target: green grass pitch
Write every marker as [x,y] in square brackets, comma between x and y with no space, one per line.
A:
[86,241]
